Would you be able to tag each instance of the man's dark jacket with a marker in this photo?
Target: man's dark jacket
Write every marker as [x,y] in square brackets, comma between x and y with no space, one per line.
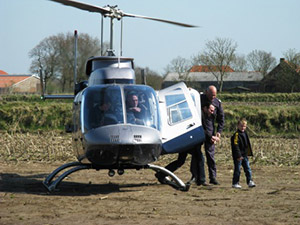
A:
[218,115]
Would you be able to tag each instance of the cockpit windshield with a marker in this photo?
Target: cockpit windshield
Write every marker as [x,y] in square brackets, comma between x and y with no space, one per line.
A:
[119,104]
[102,105]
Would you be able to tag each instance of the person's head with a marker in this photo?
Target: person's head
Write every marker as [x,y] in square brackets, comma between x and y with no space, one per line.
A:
[211,92]
[208,108]
[106,104]
[242,124]
[132,100]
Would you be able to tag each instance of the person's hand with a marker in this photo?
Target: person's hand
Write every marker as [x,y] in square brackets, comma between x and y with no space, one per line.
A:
[135,109]
[214,139]
[240,159]
[218,135]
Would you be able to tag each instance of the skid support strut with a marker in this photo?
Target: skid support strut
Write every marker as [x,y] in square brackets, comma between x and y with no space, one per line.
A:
[174,182]
[51,184]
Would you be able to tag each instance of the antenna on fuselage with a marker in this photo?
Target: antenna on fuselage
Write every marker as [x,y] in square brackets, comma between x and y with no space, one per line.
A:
[102,35]
[120,47]
[75,57]
[121,38]
[111,46]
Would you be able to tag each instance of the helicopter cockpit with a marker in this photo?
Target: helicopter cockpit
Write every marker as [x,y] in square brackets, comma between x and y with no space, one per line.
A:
[105,105]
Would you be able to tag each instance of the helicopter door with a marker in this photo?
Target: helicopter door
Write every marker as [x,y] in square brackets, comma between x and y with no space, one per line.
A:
[181,123]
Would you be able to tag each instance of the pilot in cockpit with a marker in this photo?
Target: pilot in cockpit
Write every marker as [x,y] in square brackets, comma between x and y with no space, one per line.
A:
[105,107]
[107,114]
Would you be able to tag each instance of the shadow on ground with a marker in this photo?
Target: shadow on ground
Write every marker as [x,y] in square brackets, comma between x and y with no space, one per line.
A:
[32,184]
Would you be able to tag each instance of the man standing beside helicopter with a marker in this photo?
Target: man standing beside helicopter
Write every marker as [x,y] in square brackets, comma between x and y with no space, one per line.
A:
[218,117]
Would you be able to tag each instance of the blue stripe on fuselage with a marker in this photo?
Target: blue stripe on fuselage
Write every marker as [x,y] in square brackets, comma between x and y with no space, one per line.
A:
[185,141]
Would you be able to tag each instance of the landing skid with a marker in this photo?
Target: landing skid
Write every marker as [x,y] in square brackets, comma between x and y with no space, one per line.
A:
[51,184]
[175,182]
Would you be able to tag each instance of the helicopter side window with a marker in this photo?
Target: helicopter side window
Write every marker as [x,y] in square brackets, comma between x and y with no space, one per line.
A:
[177,107]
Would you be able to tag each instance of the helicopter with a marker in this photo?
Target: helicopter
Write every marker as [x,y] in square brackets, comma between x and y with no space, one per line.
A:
[119,125]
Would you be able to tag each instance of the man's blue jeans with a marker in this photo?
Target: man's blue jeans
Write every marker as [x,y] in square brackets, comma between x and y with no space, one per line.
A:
[237,170]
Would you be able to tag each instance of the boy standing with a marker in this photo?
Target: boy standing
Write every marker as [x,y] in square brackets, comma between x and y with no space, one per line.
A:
[241,149]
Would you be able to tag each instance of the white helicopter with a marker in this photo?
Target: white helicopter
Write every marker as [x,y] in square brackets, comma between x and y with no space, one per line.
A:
[118,125]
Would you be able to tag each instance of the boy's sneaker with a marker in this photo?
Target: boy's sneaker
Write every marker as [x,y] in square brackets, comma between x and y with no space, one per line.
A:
[251,184]
[237,186]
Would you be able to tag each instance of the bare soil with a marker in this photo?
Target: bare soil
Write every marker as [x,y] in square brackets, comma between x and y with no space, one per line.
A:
[91,197]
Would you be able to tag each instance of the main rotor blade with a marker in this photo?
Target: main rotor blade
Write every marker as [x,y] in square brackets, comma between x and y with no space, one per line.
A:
[114,13]
[160,20]
[84,6]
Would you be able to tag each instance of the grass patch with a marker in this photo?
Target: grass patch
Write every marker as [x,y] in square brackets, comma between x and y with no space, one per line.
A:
[267,114]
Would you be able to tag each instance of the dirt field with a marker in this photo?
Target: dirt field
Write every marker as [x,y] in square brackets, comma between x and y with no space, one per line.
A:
[91,197]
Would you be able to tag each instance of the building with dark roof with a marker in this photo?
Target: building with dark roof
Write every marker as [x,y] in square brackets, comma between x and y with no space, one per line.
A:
[285,77]
[200,68]
[233,81]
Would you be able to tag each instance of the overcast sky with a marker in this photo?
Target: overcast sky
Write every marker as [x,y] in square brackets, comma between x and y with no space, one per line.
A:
[269,25]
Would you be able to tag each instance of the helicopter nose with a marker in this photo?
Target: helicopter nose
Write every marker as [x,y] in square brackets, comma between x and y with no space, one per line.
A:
[123,145]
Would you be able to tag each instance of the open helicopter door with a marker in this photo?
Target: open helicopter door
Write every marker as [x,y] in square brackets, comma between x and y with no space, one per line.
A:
[181,122]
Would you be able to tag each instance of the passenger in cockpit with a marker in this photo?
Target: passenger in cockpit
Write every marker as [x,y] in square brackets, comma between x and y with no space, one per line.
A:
[135,111]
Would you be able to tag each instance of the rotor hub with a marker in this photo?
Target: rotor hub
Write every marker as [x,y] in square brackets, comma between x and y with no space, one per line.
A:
[114,12]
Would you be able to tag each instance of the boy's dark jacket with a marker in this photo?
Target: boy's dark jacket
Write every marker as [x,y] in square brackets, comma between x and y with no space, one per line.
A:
[238,145]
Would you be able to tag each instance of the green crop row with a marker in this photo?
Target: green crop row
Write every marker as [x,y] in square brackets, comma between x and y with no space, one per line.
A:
[25,116]
[226,97]
[259,97]
[264,120]
[29,113]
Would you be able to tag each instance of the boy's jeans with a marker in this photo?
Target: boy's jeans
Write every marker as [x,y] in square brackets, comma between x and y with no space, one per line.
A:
[237,170]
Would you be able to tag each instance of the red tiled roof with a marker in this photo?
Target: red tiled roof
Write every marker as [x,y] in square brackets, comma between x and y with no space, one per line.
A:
[210,68]
[9,80]
[3,72]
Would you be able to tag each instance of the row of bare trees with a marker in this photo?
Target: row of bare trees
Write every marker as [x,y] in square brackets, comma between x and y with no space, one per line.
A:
[221,53]
[53,60]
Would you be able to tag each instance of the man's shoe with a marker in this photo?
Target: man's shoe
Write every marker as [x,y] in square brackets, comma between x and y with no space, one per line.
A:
[214,181]
[251,184]
[202,183]
[237,186]
[192,180]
